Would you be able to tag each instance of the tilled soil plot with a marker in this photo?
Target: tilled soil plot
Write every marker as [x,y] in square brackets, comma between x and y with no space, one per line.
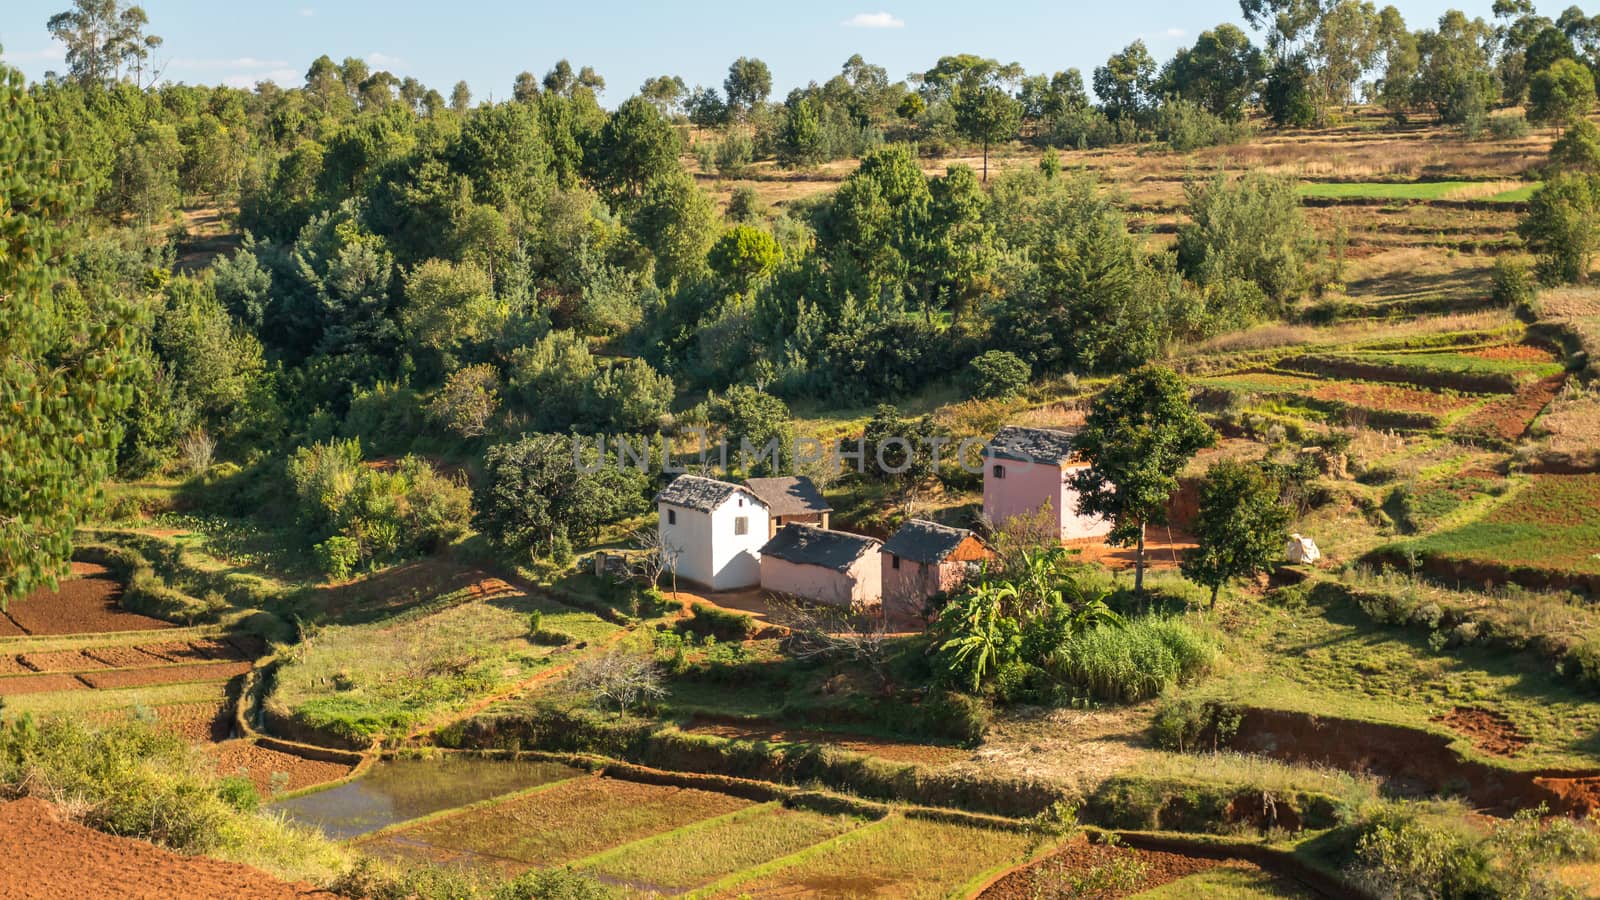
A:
[197,723]
[10,665]
[125,678]
[125,657]
[60,661]
[1084,869]
[82,605]
[271,770]
[16,685]
[203,650]
[50,857]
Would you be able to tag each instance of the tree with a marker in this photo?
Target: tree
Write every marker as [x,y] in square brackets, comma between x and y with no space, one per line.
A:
[664,92]
[1577,150]
[450,314]
[637,145]
[1221,72]
[1240,526]
[1249,229]
[468,400]
[748,83]
[1286,22]
[461,97]
[526,88]
[1561,94]
[987,114]
[536,500]
[744,256]
[618,678]
[1562,227]
[1347,41]
[102,38]
[1124,84]
[998,374]
[754,419]
[1140,432]
[63,368]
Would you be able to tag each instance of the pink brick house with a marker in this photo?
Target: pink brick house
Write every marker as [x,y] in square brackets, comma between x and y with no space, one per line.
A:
[823,566]
[924,559]
[1027,469]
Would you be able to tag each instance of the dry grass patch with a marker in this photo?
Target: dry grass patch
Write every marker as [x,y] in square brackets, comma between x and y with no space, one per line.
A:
[564,822]
[901,857]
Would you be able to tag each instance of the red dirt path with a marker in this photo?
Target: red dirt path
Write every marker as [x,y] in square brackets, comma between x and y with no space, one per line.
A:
[48,857]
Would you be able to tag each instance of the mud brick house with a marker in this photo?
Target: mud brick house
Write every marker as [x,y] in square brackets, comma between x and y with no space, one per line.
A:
[792,498]
[714,530]
[1026,470]
[924,559]
[822,566]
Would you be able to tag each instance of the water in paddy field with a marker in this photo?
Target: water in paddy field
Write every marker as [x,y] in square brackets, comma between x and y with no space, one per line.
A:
[401,789]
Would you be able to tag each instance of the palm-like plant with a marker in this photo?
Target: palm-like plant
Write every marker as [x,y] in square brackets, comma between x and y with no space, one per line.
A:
[978,633]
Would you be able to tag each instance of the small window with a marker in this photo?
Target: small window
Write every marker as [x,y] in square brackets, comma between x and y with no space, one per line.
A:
[999,471]
[741,501]
[894,561]
[672,517]
[741,525]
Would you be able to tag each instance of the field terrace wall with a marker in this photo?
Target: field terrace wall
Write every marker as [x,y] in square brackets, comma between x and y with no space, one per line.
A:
[666,747]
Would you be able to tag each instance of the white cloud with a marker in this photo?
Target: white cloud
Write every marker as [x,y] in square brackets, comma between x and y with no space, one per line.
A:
[1175,32]
[874,20]
[383,59]
[308,12]
[282,77]
[53,53]
[241,62]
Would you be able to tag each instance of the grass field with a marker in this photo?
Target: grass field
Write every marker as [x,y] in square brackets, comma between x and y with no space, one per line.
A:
[1228,883]
[1497,192]
[558,824]
[699,854]
[360,680]
[1552,523]
[900,857]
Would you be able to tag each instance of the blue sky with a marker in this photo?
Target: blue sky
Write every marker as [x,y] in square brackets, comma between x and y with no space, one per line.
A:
[487,42]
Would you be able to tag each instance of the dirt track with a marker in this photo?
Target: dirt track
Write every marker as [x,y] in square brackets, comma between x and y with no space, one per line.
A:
[47,857]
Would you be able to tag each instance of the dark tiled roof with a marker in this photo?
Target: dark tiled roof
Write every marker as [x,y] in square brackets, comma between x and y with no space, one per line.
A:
[1045,445]
[792,495]
[811,546]
[923,541]
[697,492]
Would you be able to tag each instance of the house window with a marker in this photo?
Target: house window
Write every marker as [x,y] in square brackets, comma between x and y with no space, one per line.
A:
[894,561]
[999,471]
[741,525]
[672,517]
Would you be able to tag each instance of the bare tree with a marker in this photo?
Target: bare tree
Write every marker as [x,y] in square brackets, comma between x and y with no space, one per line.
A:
[656,558]
[816,631]
[619,678]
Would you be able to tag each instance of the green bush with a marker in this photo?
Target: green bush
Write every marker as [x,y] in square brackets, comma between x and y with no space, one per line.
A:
[1131,663]
[1184,724]
[1508,127]
[709,621]
[998,374]
[337,556]
[1513,283]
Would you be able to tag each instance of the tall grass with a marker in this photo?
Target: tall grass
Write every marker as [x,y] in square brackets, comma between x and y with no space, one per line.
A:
[1134,662]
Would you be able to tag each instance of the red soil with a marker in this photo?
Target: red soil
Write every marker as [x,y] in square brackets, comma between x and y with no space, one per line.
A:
[1513,353]
[50,857]
[16,685]
[197,723]
[9,665]
[124,678]
[1508,418]
[83,604]
[1374,395]
[195,651]
[1490,732]
[260,764]
[124,657]
[9,628]
[1053,876]
[60,661]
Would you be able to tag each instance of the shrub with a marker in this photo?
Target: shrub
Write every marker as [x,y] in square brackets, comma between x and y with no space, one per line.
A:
[467,401]
[953,715]
[1131,663]
[1513,283]
[998,374]
[1508,127]
[337,557]
[1182,725]
[709,621]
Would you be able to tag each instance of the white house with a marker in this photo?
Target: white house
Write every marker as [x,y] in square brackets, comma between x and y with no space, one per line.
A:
[713,530]
[1029,469]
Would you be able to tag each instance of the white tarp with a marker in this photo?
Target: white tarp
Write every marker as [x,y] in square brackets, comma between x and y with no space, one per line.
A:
[1302,550]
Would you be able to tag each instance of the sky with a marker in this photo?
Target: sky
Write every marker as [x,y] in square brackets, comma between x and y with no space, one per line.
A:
[487,42]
